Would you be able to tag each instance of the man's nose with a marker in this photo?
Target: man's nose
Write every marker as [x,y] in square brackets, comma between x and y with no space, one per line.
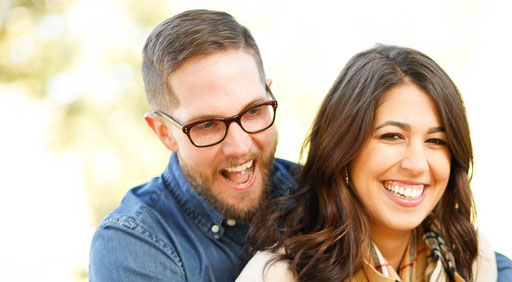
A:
[415,158]
[237,141]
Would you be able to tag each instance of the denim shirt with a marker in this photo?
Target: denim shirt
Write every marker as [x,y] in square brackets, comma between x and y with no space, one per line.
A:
[164,231]
[504,268]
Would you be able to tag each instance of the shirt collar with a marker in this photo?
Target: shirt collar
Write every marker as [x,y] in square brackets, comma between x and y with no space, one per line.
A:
[193,204]
[200,211]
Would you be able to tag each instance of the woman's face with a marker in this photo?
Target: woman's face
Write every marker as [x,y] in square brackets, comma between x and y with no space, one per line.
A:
[403,170]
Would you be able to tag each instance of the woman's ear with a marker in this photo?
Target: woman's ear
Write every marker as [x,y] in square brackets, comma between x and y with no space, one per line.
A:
[162,131]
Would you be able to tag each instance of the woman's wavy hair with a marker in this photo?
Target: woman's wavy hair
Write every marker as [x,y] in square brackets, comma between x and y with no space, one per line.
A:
[325,234]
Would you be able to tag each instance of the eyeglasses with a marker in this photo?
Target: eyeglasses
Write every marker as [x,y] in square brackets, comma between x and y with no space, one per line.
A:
[209,132]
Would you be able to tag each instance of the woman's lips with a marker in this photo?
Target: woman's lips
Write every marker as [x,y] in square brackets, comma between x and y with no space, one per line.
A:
[405,193]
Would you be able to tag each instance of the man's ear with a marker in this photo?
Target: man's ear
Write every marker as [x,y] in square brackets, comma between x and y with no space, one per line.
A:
[161,130]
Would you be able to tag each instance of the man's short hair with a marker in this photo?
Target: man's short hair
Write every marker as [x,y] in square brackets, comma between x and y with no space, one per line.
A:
[185,35]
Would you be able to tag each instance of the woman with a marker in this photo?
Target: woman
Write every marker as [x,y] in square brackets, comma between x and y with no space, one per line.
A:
[384,194]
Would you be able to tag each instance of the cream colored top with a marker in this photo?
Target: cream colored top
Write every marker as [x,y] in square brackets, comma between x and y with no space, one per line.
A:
[484,267]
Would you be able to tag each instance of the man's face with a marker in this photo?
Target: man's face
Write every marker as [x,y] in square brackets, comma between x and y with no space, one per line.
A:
[232,176]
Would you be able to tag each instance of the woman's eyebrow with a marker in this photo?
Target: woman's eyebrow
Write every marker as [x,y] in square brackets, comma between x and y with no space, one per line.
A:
[407,127]
[398,124]
[436,129]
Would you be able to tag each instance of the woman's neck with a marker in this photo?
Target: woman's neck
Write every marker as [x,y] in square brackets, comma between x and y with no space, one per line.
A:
[391,244]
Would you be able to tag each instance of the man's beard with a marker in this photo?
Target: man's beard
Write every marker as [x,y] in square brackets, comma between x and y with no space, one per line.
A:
[203,183]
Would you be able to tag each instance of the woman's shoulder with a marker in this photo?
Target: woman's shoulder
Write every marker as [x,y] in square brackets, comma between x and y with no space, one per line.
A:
[484,267]
[263,266]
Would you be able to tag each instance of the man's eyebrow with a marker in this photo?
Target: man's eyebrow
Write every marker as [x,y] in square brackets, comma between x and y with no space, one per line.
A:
[211,116]
[254,102]
[398,124]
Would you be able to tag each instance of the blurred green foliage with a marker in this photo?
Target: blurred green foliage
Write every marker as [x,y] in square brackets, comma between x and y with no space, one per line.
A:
[107,130]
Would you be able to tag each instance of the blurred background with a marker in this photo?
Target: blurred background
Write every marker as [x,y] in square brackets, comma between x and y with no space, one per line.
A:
[73,139]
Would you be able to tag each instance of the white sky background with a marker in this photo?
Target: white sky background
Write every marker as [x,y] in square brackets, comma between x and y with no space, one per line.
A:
[304,46]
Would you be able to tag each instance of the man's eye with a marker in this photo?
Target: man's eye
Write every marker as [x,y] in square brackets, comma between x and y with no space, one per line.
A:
[437,141]
[206,125]
[254,111]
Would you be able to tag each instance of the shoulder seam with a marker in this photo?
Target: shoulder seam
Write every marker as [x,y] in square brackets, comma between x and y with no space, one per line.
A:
[121,221]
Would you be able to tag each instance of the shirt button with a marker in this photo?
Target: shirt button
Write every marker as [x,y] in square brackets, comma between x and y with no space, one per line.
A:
[231,222]
[215,228]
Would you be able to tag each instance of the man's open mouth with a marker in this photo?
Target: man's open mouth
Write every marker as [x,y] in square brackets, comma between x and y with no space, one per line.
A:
[239,175]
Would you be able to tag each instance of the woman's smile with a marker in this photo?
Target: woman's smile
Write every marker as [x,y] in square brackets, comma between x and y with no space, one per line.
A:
[404,190]
[403,194]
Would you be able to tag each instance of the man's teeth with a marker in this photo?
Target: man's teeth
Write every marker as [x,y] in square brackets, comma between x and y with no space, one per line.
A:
[240,167]
[405,191]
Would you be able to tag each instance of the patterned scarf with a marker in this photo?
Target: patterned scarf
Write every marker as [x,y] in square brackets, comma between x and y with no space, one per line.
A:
[426,259]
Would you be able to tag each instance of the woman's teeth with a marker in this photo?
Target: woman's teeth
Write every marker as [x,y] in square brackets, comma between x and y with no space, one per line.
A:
[403,190]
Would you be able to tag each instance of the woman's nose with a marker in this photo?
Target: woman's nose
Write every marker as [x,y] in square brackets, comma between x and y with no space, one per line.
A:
[415,159]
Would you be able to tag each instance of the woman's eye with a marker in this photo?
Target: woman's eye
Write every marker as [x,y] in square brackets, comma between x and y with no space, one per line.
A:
[391,136]
[437,141]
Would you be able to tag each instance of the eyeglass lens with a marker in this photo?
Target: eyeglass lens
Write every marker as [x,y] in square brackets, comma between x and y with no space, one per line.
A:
[213,131]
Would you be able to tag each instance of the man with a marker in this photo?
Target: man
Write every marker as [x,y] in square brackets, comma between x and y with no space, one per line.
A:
[213,108]
[205,81]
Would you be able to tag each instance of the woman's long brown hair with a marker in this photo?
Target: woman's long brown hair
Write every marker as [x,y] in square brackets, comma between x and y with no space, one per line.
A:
[324,227]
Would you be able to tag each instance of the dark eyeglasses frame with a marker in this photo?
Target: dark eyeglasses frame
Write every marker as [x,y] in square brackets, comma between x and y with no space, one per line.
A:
[227,121]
